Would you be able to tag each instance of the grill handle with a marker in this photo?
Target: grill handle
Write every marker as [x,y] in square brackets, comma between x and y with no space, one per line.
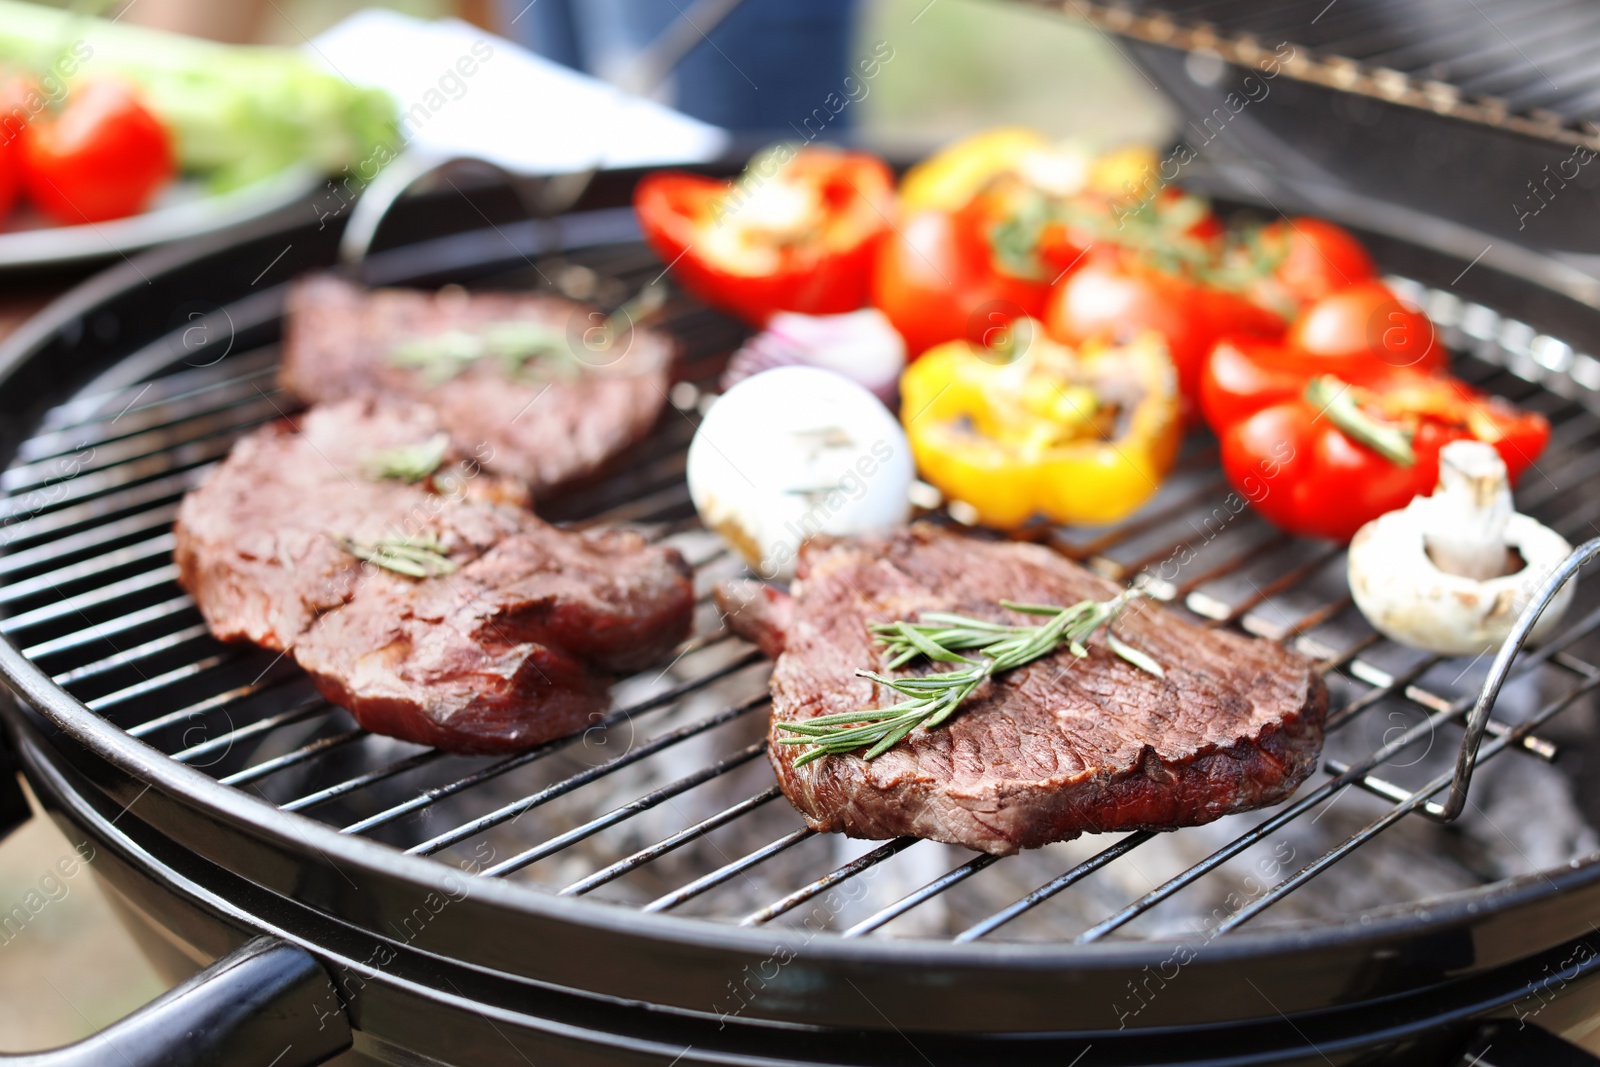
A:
[13,802]
[540,197]
[1478,720]
[267,1004]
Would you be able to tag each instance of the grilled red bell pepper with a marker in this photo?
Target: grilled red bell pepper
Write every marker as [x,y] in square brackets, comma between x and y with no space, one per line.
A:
[1303,260]
[797,232]
[1359,334]
[1118,295]
[1325,461]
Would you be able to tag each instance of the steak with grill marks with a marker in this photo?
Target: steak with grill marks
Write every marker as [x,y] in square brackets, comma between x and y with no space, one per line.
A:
[545,428]
[1047,751]
[513,647]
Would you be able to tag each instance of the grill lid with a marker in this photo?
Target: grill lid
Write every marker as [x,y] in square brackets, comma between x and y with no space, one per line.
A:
[1482,112]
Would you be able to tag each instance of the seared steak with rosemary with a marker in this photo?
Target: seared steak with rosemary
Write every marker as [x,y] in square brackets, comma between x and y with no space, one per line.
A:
[1055,748]
[417,589]
[534,386]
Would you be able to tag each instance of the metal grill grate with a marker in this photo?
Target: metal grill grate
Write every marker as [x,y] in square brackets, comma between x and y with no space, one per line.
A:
[666,804]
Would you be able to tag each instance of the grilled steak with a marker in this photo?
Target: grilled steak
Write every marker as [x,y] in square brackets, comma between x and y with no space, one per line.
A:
[511,648]
[548,421]
[1042,753]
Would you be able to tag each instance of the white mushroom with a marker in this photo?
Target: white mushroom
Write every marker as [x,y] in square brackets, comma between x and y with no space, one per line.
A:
[794,452]
[1452,572]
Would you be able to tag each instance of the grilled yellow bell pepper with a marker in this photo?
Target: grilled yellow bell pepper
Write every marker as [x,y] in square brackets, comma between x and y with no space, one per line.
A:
[951,177]
[1079,438]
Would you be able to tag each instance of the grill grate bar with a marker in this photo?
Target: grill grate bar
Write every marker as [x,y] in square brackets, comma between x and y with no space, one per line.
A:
[157,519]
[308,709]
[225,424]
[157,393]
[361,781]
[722,874]
[1413,802]
[518,807]
[668,844]
[828,881]
[1222,569]
[1383,685]
[211,703]
[142,420]
[295,758]
[911,900]
[130,656]
[157,547]
[84,487]
[93,598]
[103,631]
[627,811]
[1063,881]
[495,770]
[159,681]
[1222,613]
[1381,788]
[40,523]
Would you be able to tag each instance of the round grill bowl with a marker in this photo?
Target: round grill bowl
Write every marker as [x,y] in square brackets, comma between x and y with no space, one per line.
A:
[433,960]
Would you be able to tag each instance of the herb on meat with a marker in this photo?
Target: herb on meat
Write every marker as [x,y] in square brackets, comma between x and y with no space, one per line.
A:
[940,637]
[408,463]
[415,557]
[525,349]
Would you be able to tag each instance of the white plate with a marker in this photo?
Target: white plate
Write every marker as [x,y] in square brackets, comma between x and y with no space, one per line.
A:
[184,209]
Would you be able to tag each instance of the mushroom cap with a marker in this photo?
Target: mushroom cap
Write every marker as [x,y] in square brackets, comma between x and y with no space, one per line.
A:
[1408,599]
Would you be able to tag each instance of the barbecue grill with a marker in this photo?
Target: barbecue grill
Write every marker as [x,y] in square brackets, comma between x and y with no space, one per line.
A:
[640,893]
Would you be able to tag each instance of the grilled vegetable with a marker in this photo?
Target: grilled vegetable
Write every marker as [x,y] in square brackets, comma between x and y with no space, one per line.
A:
[938,279]
[951,177]
[1034,428]
[1359,335]
[860,345]
[1451,573]
[797,232]
[795,452]
[1339,454]
[1119,295]
[1304,260]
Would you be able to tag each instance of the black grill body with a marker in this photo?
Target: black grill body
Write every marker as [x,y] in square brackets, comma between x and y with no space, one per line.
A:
[262,822]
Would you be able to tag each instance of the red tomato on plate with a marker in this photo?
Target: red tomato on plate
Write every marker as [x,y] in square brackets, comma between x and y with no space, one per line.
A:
[102,156]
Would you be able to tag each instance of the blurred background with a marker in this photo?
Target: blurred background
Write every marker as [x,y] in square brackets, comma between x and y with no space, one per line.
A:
[756,68]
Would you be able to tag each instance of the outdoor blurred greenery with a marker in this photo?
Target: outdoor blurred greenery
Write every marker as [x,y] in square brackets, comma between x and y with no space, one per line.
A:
[965,65]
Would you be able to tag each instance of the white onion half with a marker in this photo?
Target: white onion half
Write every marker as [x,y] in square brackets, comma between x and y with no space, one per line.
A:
[794,452]
[861,345]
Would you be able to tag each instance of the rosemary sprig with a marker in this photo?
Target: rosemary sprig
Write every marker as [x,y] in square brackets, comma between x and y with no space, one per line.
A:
[408,463]
[933,698]
[415,557]
[526,349]
[523,348]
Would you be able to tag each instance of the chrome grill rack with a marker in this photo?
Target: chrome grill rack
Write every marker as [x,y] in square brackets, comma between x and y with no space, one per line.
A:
[667,804]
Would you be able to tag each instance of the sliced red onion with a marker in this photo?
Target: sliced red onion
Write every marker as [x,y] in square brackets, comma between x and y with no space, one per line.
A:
[861,346]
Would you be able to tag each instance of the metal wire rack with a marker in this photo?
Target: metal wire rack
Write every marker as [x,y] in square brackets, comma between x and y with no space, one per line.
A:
[665,803]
